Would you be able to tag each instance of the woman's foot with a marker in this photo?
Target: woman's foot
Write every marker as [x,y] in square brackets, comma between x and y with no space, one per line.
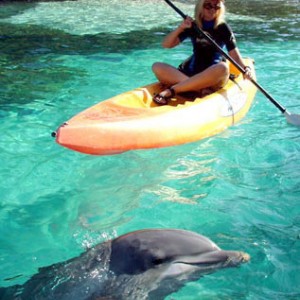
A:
[163,97]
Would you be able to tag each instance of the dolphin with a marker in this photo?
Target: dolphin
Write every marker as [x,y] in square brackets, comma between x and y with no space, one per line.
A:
[143,264]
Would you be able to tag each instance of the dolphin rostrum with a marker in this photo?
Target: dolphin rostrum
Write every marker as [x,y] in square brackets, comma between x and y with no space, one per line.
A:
[144,264]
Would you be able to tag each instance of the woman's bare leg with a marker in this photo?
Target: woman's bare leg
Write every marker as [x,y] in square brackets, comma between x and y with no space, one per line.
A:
[215,76]
[167,74]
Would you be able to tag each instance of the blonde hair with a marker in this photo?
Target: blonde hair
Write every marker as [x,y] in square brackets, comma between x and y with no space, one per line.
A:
[199,13]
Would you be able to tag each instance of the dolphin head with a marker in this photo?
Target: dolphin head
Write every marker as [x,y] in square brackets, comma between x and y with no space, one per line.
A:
[163,260]
[142,250]
[174,251]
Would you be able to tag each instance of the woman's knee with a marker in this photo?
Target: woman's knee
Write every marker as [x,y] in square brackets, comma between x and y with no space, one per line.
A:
[157,67]
[224,69]
[224,73]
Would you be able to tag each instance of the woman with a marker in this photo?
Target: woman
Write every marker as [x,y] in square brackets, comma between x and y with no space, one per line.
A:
[206,68]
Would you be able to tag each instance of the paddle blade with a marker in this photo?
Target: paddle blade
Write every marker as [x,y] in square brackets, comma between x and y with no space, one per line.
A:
[292,118]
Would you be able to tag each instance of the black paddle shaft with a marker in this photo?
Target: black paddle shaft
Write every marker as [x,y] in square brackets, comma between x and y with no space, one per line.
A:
[202,33]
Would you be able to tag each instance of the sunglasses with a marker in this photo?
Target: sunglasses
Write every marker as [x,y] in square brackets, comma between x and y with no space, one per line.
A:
[210,6]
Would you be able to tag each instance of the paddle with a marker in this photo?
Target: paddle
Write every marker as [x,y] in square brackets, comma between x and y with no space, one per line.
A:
[291,118]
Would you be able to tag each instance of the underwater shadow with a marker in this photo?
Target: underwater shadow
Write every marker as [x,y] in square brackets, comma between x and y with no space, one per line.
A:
[22,49]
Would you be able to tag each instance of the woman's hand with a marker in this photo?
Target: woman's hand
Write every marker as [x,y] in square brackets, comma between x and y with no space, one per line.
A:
[171,40]
[186,23]
[247,73]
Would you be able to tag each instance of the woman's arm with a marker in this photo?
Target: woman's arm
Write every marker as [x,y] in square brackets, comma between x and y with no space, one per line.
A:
[172,39]
[235,54]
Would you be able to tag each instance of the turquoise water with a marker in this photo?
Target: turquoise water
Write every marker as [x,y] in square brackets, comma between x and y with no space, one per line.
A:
[240,188]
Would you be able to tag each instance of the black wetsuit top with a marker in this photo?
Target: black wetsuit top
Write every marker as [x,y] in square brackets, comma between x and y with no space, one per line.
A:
[204,53]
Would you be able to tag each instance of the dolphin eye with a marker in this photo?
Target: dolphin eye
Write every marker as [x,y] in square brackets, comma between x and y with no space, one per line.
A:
[157,261]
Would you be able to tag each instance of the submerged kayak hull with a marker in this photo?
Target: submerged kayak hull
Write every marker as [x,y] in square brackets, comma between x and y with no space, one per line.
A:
[132,120]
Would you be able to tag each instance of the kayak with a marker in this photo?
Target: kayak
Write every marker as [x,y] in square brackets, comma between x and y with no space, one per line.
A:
[132,121]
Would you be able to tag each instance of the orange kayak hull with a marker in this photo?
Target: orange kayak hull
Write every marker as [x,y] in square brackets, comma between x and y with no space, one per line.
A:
[131,120]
